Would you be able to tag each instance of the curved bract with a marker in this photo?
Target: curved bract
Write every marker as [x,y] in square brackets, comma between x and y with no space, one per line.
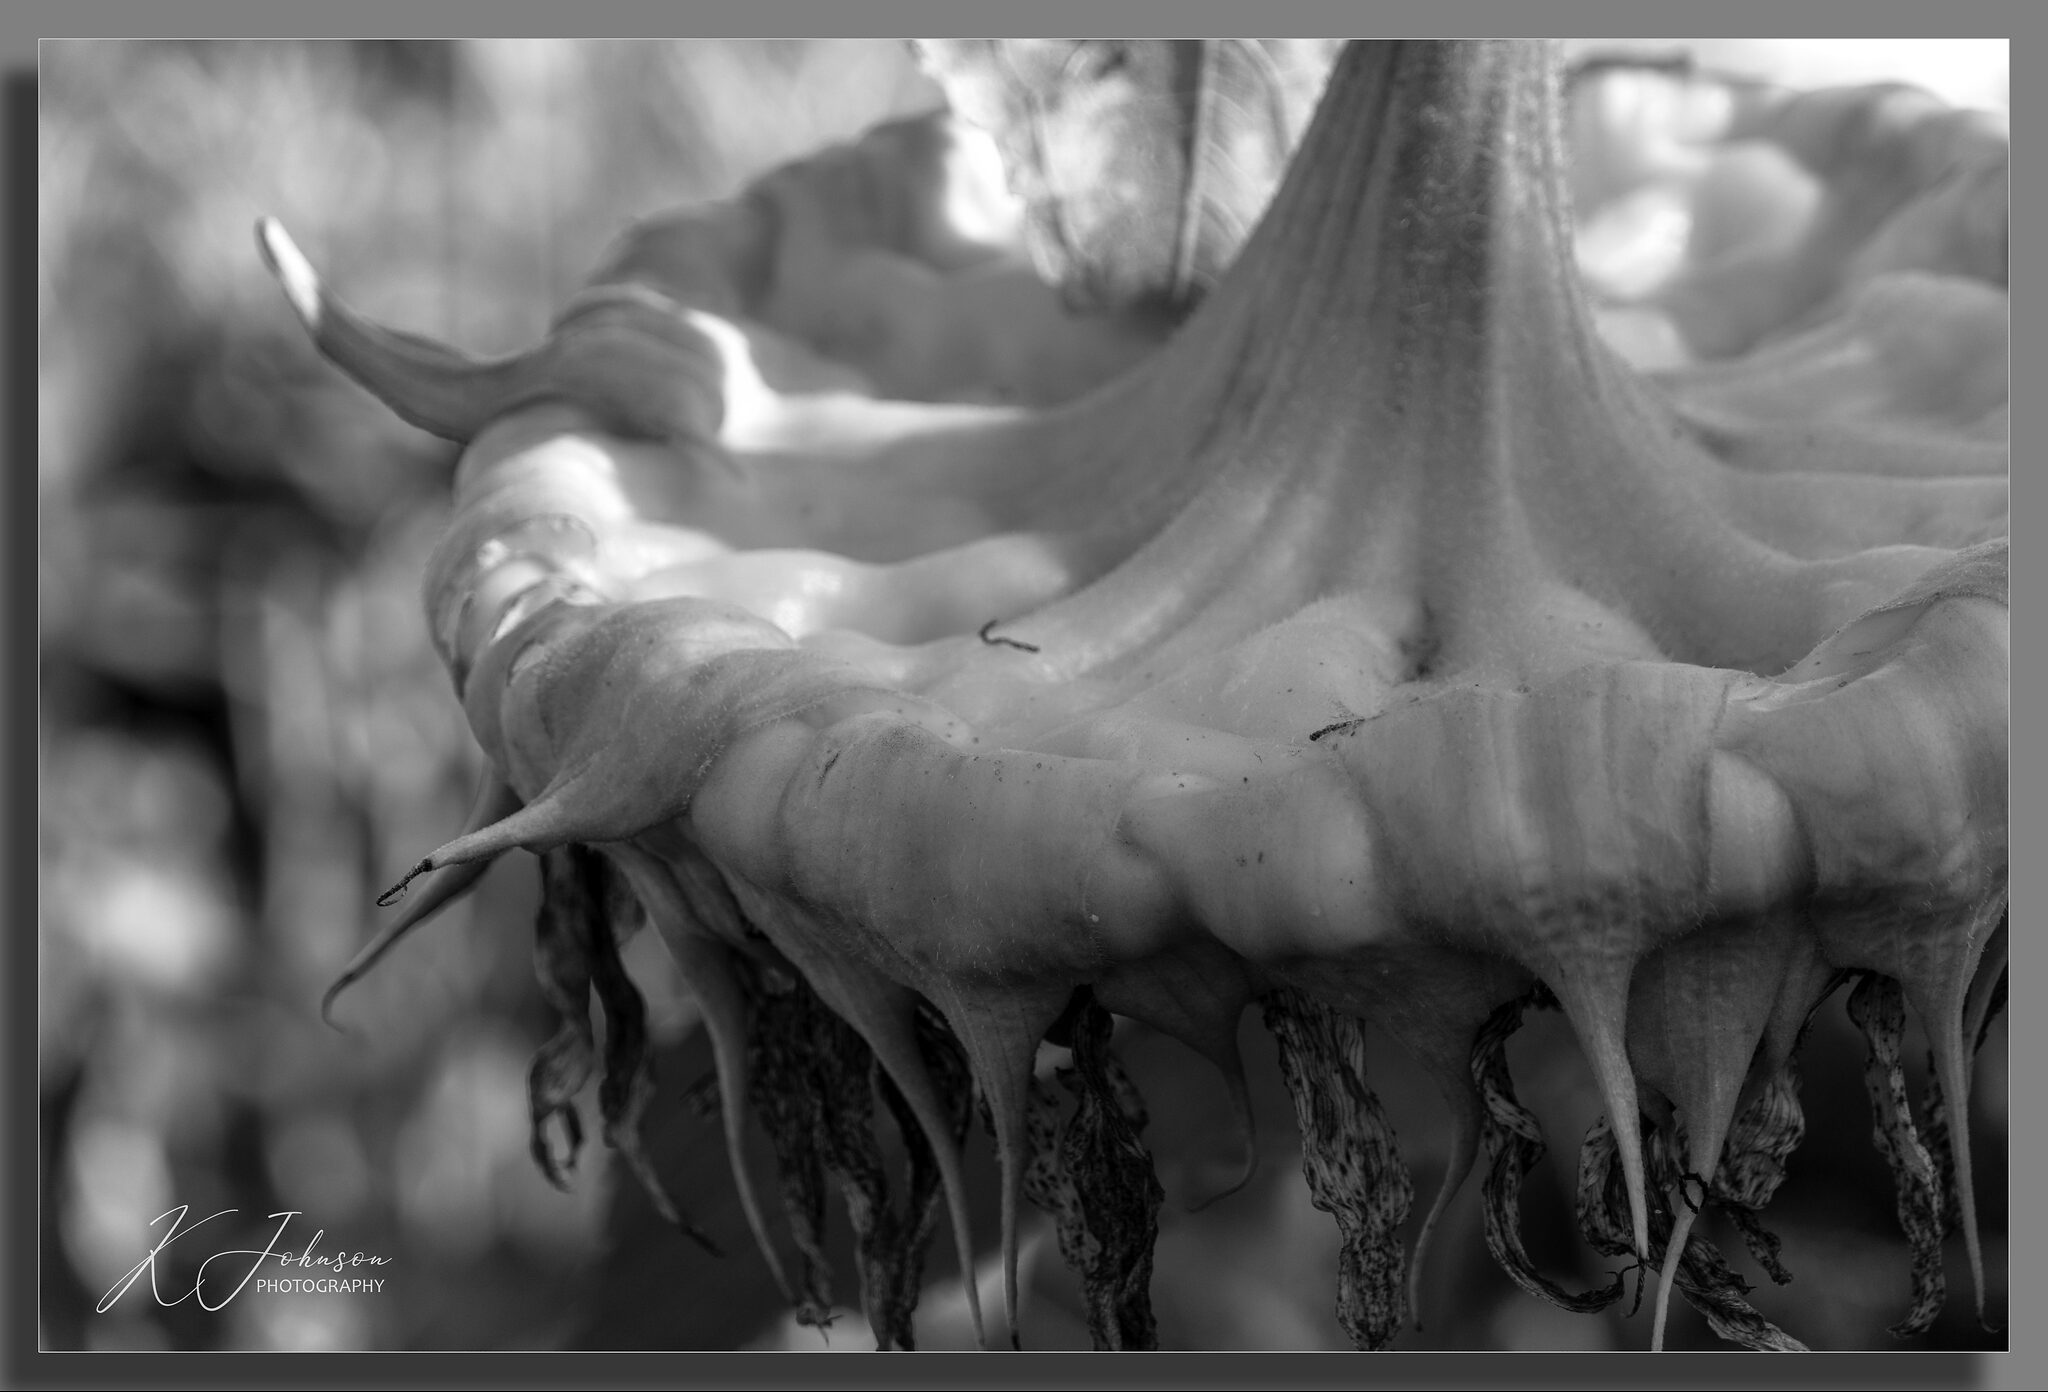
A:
[1381,646]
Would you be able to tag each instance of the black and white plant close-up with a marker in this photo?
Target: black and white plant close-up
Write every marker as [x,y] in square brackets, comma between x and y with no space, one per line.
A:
[1231,694]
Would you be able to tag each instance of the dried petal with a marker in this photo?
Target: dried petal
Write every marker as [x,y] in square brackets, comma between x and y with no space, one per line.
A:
[841,1082]
[1878,1008]
[1752,1166]
[1088,1170]
[1433,1003]
[841,1088]
[579,898]
[1513,1142]
[1118,1191]
[788,1097]
[563,950]
[1348,1153]
[1706,1281]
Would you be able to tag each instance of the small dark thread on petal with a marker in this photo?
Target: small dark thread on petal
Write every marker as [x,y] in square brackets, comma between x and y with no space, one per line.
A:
[993,641]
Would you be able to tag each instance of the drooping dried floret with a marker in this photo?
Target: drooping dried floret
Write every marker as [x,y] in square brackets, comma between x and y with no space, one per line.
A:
[1089,1170]
[814,1084]
[1354,1168]
[577,951]
[803,1080]
[1513,1140]
[1878,1008]
[1752,1167]
[1699,1273]
[563,947]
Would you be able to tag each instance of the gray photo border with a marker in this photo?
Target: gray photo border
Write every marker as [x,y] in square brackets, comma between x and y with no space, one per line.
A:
[24,22]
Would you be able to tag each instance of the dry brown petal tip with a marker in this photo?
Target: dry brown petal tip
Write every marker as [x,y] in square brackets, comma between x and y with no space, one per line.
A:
[1350,1158]
[1877,1006]
[1512,1139]
[1091,1173]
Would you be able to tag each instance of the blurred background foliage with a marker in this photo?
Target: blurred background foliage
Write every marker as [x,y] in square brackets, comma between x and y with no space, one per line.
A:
[244,733]
[244,737]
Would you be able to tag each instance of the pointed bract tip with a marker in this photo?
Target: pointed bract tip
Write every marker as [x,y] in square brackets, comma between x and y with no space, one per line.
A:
[1667,1276]
[397,892]
[293,271]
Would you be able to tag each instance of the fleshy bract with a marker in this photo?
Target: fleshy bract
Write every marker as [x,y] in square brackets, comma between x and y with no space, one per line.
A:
[1380,646]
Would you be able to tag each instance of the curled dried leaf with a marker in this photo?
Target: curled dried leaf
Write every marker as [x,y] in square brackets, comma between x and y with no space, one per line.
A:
[1877,1006]
[1091,1172]
[1701,1275]
[563,949]
[581,907]
[1120,1194]
[1349,1155]
[843,1117]
[1752,1165]
[1512,1139]
[790,1086]
[815,1086]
